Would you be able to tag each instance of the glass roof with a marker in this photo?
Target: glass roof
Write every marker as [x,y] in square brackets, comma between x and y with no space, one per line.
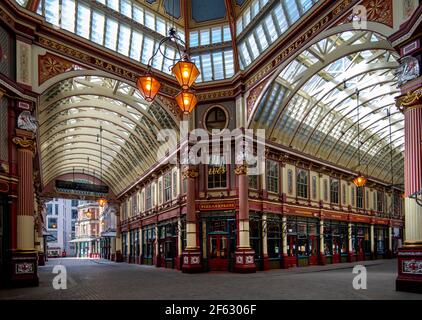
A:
[70,118]
[313,106]
[133,30]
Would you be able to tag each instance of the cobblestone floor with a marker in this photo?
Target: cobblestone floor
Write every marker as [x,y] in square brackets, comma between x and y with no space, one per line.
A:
[102,279]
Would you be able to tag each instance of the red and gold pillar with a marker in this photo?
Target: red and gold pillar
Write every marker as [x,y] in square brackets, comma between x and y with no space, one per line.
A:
[24,258]
[410,255]
[192,253]
[244,254]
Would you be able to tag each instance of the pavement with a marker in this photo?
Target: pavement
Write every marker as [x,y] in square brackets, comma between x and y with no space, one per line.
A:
[89,279]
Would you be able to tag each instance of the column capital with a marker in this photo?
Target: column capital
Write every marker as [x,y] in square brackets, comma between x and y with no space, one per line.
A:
[241,169]
[189,172]
[25,140]
[411,100]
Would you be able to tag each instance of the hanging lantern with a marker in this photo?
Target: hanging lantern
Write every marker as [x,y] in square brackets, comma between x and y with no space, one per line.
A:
[186,73]
[148,86]
[360,181]
[102,202]
[186,100]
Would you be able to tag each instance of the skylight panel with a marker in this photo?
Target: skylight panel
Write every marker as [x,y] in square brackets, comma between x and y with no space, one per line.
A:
[126,8]
[147,49]
[138,14]
[113,4]
[261,37]
[68,19]
[269,23]
[216,35]
[229,63]
[161,26]
[244,53]
[52,14]
[149,20]
[218,65]
[227,34]
[111,34]
[292,10]
[206,67]
[194,38]
[253,46]
[204,36]
[136,46]
[84,20]
[124,40]
[280,18]
[97,29]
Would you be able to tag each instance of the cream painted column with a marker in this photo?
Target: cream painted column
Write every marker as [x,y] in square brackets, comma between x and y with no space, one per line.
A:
[413,222]
[157,246]
[350,244]
[390,240]
[284,234]
[264,236]
[118,240]
[179,237]
[140,243]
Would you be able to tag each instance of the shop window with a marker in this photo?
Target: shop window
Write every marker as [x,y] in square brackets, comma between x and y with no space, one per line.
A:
[334,190]
[272,176]
[302,183]
[314,187]
[335,238]
[274,237]
[380,202]
[255,235]
[167,187]
[302,237]
[359,197]
[148,241]
[217,173]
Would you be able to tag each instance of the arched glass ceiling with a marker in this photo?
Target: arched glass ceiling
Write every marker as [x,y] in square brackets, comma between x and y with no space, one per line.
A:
[311,107]
[70,116]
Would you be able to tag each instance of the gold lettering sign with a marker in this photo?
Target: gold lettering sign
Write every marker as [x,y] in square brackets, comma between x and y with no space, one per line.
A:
[216,170]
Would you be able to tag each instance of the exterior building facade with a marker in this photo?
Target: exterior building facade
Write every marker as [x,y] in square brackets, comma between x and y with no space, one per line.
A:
[87,231]
[61,215]
[108,232]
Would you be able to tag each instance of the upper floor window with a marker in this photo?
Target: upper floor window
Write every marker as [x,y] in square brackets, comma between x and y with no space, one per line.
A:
[343,194]
[380,201]
[217,173]
[353,196]
[272,176]
[49,209]
[134,204]
[253,182]
[160,190]
[302,183]
[167,187]
[290,181]
[325,187]
[314,187]
[359,197]
[148,197]
[334,191]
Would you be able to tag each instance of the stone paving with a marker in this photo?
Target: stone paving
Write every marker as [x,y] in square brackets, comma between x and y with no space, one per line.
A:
[102,279]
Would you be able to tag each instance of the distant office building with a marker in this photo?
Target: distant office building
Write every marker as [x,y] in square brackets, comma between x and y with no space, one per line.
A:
[61,218]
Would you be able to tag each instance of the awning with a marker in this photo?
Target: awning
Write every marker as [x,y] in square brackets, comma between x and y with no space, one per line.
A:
[83,239]
[108,234]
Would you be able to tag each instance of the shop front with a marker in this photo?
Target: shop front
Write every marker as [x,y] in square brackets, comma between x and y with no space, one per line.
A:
[148,244]
[274,241]
[302,241]
[381,241]
[220,241]
[361,241]
[167,244]
[335,241]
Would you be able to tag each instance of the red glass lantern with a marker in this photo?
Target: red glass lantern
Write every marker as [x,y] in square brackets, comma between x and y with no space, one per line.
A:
[186,73]
[360,181]
[148,86]
[186,100]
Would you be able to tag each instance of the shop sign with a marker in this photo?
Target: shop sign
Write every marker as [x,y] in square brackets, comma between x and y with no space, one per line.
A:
[217,206]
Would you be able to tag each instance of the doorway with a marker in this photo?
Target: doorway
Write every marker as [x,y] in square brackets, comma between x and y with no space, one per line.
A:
[218,252]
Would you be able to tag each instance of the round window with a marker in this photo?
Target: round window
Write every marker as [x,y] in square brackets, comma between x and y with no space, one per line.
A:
[216,118]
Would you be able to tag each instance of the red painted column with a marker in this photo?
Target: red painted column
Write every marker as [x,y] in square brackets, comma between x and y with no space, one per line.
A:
[25,257]
[410,255]
[244,254]
[191,254]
